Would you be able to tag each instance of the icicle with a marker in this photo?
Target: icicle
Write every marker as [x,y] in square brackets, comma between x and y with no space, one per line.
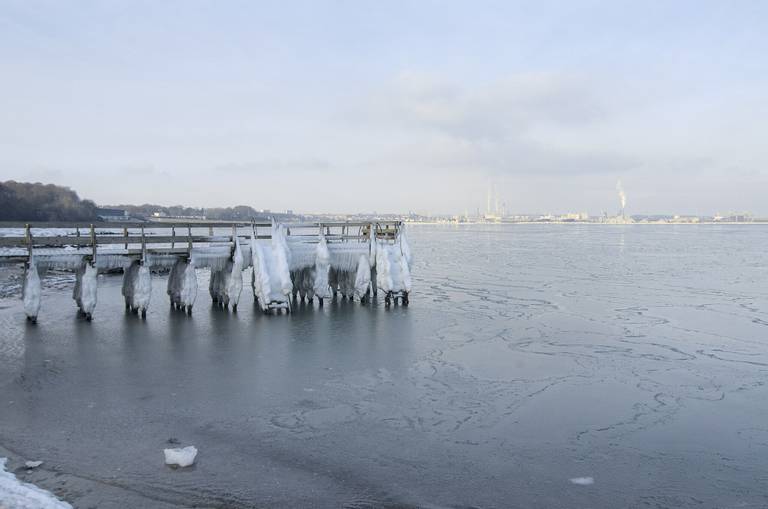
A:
[346,255]
[302,255]
[383,267]
[322,265]
[260,280]
[63,261]
[112,261]
[31,291]
[372,247]
[219,283]
[405,273]
[282,258]
[405,248]
[235,283]
[363,277]
[213,257]
[160,261]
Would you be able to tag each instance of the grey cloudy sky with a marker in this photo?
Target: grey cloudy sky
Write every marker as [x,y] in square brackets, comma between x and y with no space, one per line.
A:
[390,106]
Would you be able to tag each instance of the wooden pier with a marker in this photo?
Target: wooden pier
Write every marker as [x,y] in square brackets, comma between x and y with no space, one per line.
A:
[46,244]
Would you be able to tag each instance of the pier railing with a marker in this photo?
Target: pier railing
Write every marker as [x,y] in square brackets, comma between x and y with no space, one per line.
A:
[168,237]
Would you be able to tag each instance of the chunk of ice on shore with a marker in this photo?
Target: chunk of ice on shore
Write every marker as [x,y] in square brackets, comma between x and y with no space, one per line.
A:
[182,457]
[21,495]
[32,464]
[583,481]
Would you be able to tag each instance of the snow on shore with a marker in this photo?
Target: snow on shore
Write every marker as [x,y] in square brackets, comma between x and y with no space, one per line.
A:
[15,494]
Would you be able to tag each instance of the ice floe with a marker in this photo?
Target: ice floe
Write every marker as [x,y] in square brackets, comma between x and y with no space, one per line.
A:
[181,457]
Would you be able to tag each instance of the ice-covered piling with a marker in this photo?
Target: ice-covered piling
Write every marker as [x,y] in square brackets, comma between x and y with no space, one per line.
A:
[182,285]
[219,282]
[302,258]
[235,283]
[320,285]
[86,287]
[271,278]
[137,287]
[393,267]
[362,278]
[31,291]
[347,263]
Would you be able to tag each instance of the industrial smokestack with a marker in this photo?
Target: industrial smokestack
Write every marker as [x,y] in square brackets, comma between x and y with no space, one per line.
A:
[622,196]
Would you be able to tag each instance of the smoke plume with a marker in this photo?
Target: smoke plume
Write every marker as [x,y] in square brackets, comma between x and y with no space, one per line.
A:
[622,195]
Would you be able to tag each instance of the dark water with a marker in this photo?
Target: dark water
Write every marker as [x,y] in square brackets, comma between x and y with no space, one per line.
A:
[530,355]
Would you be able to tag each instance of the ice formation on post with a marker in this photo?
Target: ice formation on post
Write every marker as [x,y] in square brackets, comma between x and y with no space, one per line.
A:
[348,261]
[271,278]
[20,495]
[31,291]
[188,293]
[362,278]
[393,269]
[182,285]
[137,287]
[219,282]
[302,257]
[227,264]
[282,258]
[320,285]
[235,283]
[86,286]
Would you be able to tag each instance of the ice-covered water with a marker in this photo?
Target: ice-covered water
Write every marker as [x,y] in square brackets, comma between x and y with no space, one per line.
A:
[532,358]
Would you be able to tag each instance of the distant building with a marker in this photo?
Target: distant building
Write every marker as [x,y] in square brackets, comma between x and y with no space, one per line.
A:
[111,215]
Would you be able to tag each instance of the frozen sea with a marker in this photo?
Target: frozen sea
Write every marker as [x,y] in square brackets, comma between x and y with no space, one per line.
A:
[538,366]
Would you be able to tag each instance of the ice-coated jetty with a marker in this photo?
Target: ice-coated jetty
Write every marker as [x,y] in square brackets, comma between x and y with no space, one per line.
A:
[287,262]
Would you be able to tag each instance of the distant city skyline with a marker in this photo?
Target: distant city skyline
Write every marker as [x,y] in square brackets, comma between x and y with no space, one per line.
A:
[395,106]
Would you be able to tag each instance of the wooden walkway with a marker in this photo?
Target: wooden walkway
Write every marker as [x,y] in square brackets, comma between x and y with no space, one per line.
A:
[177,238]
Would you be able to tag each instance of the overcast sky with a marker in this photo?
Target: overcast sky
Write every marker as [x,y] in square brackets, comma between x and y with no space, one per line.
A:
[390,106]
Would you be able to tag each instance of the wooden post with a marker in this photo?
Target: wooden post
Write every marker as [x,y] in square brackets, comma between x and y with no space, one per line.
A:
[173,236]
[210,231]
[234,239]
[125,234]
[77,231]
[189,239]
[143,242]
[28,236]
[93,242]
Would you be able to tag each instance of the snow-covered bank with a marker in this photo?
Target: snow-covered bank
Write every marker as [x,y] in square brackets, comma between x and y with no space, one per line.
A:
[15,494]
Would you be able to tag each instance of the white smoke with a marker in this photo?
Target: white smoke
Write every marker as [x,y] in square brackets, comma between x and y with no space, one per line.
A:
[622,195]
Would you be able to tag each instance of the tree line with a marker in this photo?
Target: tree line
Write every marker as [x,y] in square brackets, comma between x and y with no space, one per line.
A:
[27,201]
